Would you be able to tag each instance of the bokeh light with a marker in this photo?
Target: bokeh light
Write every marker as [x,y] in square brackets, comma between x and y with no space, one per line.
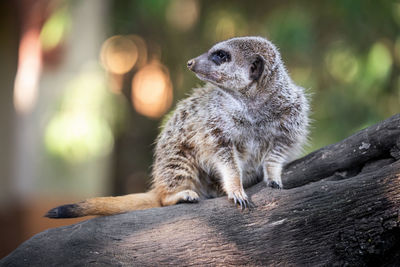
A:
[119,54]
[78,137]
[141,50]
[182,14]
[28,72]
[342,64]
[152,90]
[54,29]
[379,62]
[82,128]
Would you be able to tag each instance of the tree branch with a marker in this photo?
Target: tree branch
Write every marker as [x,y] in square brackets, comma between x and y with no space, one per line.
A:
[349,155]
[349,214]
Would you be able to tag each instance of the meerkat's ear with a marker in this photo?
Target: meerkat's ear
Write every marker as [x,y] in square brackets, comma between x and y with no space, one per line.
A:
[256,67]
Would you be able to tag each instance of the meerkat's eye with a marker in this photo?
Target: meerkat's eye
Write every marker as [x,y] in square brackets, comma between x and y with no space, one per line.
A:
[220,56]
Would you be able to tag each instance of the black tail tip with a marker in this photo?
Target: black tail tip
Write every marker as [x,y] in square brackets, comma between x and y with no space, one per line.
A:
[64,211]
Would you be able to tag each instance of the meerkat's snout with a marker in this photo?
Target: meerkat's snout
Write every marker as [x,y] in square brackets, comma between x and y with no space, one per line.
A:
[198,64]
[190,64]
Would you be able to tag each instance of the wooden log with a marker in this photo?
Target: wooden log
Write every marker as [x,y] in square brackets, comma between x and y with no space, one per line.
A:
[342,208]
[349,155]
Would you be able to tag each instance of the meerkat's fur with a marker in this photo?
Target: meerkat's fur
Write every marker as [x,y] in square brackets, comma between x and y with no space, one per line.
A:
[244,124]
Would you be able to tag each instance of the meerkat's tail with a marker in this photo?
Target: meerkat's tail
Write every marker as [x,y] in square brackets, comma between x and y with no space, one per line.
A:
[106,206]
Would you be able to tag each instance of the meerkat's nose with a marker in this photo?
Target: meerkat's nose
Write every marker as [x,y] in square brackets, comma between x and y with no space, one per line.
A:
[190,64]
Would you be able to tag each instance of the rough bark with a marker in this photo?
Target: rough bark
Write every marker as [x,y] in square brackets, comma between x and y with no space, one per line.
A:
[342,207]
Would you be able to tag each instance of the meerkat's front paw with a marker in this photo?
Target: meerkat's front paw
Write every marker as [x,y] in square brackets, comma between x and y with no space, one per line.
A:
[274,184]
[272,175]
[188,196]
[240,198]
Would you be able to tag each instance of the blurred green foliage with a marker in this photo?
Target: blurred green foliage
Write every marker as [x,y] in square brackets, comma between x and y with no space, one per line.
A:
[346,53]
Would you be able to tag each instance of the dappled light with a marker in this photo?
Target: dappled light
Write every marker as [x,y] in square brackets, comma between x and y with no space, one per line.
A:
[55,28]
[142,53]
[119,54]
[379,63]
[342,64]
[152,90]
[80,131]
[28,73]
[78,137]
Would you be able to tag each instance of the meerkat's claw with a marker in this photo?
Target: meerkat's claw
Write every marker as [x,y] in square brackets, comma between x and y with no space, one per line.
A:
[245,204]
[241,203]
[241,199]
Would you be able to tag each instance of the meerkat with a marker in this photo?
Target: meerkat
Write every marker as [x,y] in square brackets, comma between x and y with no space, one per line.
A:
[241,127]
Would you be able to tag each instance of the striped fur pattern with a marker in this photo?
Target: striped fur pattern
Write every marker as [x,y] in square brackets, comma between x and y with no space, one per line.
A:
[236,129]
[239,128]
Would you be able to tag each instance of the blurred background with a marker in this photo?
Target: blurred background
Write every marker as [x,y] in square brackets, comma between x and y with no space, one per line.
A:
[85,85]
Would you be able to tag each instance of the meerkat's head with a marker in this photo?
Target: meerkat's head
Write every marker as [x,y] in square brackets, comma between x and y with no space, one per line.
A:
[237,63]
